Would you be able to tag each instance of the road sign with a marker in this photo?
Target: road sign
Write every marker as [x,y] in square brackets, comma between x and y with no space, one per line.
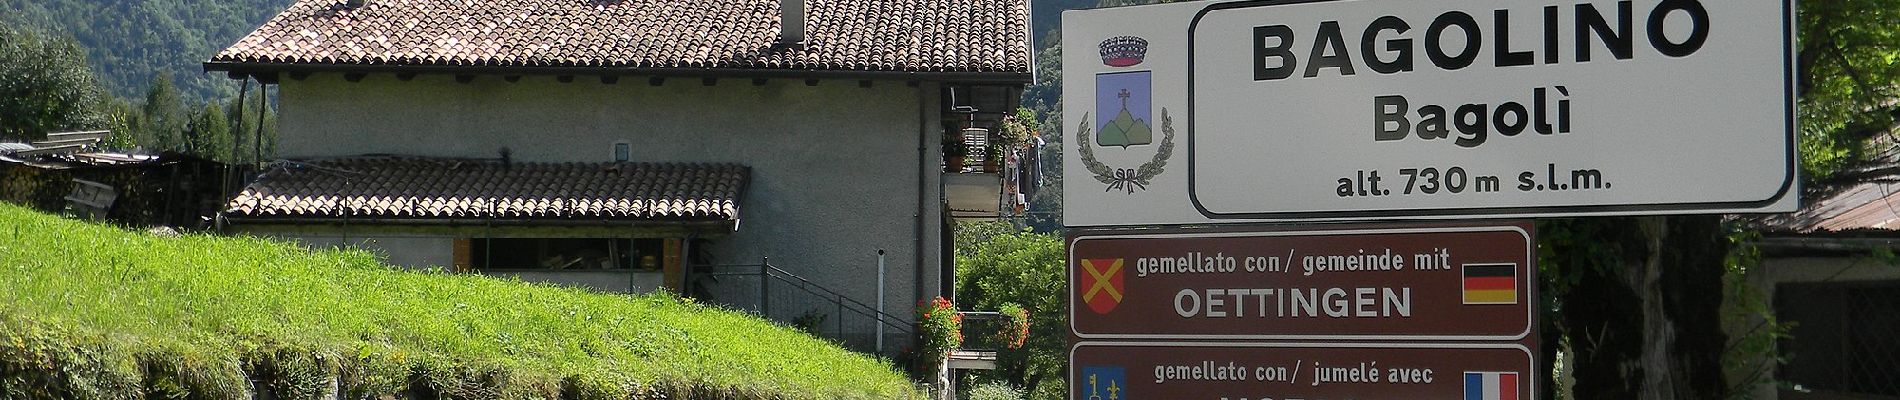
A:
[1309,371]
[1244,111]
[1390,282]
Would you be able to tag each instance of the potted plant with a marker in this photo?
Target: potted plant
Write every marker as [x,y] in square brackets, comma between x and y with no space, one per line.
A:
[1014,331]
[939,330]
[953,154]
[1014,131]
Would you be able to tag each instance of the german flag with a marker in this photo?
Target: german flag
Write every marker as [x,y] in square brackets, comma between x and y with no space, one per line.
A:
[1490,283]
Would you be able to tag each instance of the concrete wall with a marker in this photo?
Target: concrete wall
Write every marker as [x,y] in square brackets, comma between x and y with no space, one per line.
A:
[403,251]
[421,251]
[836,167]
[607,281]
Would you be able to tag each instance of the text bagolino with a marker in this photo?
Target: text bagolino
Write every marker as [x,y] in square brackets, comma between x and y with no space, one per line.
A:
[1275,58]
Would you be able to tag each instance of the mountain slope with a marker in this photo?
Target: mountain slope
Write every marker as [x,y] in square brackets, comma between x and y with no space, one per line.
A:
[128,42]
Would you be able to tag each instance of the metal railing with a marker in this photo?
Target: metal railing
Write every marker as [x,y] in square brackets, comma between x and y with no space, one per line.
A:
[786,297]
[980,330]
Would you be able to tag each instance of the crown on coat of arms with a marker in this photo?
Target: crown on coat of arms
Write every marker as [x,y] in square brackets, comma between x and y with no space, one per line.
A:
[1123,51]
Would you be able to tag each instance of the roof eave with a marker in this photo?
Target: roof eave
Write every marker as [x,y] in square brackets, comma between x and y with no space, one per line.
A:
[243,69]
[491,227]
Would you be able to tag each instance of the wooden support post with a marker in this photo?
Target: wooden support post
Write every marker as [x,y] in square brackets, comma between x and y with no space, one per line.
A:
[464,255]
[671,263]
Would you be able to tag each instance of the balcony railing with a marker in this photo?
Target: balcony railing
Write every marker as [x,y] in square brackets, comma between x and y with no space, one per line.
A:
[981,342]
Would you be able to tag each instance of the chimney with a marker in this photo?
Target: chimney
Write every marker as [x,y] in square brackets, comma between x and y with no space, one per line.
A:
[791,17]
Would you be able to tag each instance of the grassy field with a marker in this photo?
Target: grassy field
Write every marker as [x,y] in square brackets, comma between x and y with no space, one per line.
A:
[91,311]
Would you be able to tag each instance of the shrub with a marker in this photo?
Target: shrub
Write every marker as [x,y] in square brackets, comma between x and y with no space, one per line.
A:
[1024,268]
[995,391]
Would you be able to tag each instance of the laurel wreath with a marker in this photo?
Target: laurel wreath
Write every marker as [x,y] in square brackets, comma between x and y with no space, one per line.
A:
[1127,179]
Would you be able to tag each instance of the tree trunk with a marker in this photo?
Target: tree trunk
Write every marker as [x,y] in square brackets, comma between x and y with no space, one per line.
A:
[1642,305]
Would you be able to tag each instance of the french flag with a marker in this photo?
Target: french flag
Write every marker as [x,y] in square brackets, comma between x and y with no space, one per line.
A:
[1490,386]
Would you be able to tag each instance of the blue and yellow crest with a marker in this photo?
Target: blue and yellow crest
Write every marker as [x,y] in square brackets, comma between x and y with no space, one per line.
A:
[1128,96]
[1102,383]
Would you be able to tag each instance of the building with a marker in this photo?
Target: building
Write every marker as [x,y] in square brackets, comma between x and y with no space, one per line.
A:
[629,145]
[1829,275]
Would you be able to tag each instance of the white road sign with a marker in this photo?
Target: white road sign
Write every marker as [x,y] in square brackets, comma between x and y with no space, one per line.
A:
[1384,109]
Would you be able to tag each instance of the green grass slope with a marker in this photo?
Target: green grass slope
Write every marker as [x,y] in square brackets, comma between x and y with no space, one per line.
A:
[90,311]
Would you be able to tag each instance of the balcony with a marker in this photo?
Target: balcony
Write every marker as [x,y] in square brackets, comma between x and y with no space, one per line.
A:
[986,174]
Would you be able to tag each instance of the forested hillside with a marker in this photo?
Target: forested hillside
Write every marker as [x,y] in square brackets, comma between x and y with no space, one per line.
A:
[129,42]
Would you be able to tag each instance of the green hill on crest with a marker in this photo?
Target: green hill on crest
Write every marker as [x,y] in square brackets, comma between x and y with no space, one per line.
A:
[1125,130]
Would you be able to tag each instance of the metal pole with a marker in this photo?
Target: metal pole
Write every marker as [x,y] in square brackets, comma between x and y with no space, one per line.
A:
[880,301]
[765,287]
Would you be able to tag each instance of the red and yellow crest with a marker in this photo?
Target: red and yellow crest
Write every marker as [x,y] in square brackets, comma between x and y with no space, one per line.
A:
[1102,284]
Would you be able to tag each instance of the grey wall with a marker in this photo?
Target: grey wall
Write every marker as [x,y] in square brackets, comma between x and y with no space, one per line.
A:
[835,167]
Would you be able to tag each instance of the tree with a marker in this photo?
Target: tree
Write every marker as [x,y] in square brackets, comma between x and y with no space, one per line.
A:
[122,118]
[1027,269]
[1651,326]
[1849,78]
[162,118]
[1648,288]
[128,42]
[210,133]
[44,86]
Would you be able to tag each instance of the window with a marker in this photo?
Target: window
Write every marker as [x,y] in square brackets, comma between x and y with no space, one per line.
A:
[567,254]
[1841,343]
[623,151]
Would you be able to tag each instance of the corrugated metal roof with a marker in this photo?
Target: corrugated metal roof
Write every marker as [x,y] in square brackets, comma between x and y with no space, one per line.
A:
[1863,206]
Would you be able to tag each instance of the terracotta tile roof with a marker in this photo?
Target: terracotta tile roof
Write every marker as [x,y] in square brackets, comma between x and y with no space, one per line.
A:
[445,188]
[981,36]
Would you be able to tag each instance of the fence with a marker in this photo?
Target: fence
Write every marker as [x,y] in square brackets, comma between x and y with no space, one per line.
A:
[814,308]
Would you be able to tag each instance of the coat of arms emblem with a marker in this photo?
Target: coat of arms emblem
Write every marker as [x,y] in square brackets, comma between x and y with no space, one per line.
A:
[1124,104]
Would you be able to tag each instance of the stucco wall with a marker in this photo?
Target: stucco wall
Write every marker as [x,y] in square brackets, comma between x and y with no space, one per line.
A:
[835,167]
